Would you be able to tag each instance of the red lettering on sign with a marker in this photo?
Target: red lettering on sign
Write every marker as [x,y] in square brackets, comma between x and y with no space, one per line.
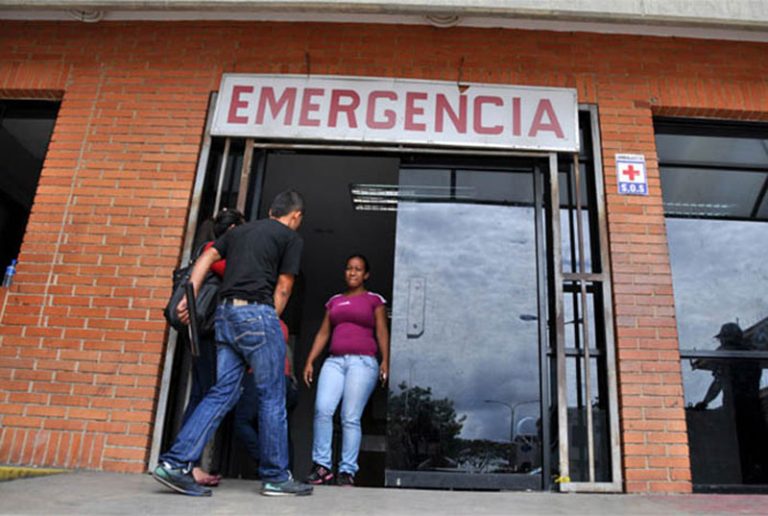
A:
[411,111]
[307,107]
[443,107]
[516,116]
[478,115]
[236,104]
[390,116]
[348,109]
[287,100]
[545,108]
[631,172]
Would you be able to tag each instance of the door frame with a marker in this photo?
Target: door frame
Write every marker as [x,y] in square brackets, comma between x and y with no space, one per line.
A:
[555,328]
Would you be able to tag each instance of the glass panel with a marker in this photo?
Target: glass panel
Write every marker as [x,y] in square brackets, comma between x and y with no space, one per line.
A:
[720,275]
[710,193]
[498,187]
[577,423]
[231,184]
[709,150]
[726,417]
[464,396]
[568,186]
[568,220]
[762,213]
[569,241]
[576,387]
[25,130]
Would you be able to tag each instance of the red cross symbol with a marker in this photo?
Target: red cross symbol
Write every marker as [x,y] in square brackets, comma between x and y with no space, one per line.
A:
[631,172]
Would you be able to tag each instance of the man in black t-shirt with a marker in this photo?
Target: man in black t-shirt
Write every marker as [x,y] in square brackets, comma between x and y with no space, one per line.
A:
[263,259]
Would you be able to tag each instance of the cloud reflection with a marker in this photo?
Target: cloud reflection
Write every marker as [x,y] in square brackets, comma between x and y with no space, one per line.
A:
[479,267]
[719,274]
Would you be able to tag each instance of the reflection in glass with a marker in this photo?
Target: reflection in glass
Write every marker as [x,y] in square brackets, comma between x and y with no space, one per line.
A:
[464,385]
[719,274]
[709,150]
[726,415]
[710,193]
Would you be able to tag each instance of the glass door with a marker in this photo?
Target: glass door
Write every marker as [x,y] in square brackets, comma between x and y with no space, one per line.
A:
[465,388]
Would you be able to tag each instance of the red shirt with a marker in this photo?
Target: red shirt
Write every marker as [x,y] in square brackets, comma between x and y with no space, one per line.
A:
[219,265]
[354,323]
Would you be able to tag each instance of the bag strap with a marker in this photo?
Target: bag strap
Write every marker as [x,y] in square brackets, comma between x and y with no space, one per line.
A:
[194,256]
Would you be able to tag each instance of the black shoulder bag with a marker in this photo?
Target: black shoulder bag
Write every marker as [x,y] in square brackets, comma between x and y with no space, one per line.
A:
[206,298]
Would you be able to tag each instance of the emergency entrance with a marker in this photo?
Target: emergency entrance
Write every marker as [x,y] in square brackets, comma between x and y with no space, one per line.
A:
[494,268]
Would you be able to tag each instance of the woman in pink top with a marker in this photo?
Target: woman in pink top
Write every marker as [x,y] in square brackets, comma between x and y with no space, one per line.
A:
[356,323]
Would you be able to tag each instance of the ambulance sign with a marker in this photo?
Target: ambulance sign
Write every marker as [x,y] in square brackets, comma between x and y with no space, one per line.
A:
[630,173]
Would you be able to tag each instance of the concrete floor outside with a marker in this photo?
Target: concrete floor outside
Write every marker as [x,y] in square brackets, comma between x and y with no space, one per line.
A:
[94,493]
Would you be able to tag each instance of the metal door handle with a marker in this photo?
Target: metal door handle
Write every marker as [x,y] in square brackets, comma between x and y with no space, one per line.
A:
[417,294]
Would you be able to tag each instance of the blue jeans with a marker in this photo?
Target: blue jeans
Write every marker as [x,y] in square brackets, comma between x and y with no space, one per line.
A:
[350,378]
[203,374]
[247,412]
[250,335]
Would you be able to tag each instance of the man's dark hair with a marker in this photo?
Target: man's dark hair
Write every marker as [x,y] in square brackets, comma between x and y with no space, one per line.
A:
[286,202]
[226,218]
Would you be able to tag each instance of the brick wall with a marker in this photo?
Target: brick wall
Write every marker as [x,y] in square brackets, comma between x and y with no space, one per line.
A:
[81,333]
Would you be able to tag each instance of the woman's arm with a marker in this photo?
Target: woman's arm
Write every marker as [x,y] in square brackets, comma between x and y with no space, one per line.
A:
[321,339]
[382,337]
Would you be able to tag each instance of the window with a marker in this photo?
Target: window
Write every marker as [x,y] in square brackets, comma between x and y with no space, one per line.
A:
[25,130]
[714,178]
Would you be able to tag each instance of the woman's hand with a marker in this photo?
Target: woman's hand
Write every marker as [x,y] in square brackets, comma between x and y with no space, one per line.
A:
[321,338]
[383,372]
[308,373]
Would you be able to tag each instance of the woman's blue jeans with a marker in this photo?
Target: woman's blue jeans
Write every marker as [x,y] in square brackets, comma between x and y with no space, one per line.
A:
[251,335]
[351,379]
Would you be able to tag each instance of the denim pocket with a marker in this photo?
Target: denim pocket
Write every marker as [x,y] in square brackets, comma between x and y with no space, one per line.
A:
[249,330]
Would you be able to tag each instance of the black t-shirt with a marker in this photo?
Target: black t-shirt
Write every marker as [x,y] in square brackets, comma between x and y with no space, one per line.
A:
[257,253]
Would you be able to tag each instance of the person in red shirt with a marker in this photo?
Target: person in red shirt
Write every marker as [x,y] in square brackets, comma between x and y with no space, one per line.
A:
[204,365]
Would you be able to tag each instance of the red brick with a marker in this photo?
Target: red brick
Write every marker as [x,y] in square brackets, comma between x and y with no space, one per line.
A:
[123,155]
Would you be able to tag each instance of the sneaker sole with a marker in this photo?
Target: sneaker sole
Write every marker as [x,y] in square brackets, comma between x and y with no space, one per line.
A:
[279,493]
[178,489]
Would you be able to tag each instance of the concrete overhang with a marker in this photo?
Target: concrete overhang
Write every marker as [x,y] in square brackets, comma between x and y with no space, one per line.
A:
[711,19]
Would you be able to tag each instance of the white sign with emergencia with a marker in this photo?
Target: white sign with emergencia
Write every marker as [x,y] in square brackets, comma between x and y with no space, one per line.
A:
[630,174]
[362,109]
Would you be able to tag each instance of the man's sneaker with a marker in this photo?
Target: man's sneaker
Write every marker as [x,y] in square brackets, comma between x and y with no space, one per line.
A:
[179,479]
[346,480]
[320,475]
[286,488]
